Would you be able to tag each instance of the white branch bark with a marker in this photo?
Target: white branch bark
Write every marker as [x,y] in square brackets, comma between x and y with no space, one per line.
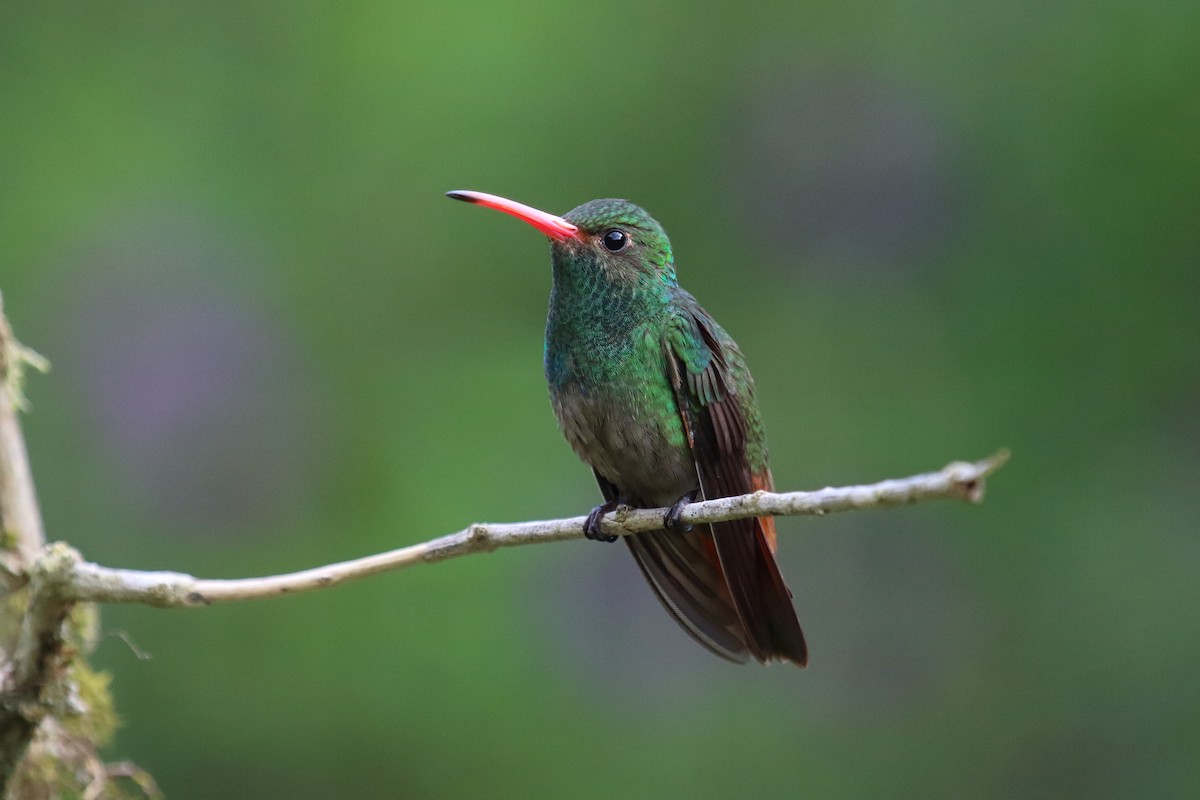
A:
[84,581]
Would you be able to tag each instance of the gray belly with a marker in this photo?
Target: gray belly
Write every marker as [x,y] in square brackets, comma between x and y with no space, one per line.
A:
[639,449]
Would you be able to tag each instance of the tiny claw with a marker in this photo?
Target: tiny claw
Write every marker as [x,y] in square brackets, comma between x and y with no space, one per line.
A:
[671,519]
[592,528]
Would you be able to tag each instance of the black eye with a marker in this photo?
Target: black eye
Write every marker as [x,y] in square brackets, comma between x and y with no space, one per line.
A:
[615,240]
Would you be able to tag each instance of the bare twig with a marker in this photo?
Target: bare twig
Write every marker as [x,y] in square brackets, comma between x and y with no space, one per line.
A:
[84,581]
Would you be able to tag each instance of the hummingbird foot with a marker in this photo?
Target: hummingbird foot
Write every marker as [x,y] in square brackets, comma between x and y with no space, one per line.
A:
[592,528]
[671,520]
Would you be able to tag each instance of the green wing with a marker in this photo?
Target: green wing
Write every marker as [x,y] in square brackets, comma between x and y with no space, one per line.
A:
[714,393]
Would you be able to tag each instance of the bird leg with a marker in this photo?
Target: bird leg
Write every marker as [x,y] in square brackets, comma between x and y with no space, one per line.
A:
[592,529]
[671,519]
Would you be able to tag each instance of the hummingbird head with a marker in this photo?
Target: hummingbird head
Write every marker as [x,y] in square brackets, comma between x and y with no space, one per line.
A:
[614,238]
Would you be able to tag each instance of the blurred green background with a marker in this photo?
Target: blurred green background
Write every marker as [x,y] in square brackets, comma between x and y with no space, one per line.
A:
[935,229]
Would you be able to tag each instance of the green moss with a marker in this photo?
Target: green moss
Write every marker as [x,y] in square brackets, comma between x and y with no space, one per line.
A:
[12,610]
[97,717]
[8,539]
[63,760]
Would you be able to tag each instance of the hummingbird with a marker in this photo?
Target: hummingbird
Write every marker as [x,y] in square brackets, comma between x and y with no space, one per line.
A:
[656,398]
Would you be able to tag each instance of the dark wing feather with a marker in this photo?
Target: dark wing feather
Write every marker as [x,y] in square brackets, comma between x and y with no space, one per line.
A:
[716,420]
[685,575]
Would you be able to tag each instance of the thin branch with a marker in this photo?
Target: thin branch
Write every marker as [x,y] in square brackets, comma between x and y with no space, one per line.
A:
[84,581]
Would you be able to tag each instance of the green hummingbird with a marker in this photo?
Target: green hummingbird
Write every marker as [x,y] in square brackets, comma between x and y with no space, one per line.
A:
[656,398]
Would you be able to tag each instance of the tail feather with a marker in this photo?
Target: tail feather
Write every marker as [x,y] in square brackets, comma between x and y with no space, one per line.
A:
[729,597]
[691,587]
[760,596]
